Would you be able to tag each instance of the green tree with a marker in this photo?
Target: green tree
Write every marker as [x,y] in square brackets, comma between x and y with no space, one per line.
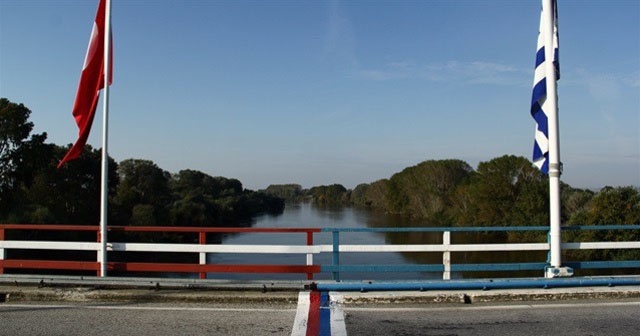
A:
[14,131]
[335,194]
[145,186]
[376,194]
[32,159]
[509,190]
[203,200]
[609,206]
[193,182]
[574,204]
[193,211]
[143,215]
[72,192]
[426,190]
[615,206]
[15,128]
[32,188]
[195,194]
[288,192]
[359,195]
[463,209]
[70,195]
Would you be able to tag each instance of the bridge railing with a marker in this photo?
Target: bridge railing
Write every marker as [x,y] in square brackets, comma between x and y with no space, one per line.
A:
[447,248]
[302,245]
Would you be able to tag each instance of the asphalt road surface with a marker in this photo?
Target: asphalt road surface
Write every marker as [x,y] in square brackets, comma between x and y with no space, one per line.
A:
[144,319]
[616,318]
[573,318]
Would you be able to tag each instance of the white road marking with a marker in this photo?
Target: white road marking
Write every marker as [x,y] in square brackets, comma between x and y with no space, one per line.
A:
[302,315]
[338,327]
[336,315]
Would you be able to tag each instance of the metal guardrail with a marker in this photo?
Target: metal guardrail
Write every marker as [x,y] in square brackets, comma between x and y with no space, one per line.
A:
[305,247]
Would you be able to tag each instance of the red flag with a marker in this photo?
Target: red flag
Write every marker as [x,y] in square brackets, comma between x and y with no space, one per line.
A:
[91,82]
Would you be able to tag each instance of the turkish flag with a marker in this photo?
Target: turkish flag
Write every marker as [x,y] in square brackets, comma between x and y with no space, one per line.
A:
[91,82]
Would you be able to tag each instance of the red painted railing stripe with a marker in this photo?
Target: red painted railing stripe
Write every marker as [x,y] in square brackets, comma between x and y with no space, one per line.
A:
[50,227]
[309,243]
[66,227]
[158,267]
[196,268]
[210,229]
[202,240]
[51,264]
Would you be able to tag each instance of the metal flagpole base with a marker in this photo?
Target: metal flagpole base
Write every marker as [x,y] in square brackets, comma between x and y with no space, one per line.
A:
[558,272]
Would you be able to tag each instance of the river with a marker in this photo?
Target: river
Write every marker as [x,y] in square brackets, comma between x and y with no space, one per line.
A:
[306,215]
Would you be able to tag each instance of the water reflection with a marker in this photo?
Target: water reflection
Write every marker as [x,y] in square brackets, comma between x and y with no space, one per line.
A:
[303,215]
[329,212]
[382,220]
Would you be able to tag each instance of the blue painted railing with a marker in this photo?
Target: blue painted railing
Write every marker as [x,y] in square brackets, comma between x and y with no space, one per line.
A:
[447,267]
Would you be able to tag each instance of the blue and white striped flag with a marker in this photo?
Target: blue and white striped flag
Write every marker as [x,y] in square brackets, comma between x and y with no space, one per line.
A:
[539,110]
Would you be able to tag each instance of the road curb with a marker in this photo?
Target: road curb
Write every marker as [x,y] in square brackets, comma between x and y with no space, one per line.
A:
[87,294]
[89,289]
[480,296]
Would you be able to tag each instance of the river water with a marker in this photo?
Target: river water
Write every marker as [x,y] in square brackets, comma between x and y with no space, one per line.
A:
[306,215]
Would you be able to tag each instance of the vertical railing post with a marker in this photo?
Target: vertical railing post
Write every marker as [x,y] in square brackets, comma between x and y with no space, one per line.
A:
[202,239]
[99,253]
[446,255]
[336,255]
[1,250]
[309,255]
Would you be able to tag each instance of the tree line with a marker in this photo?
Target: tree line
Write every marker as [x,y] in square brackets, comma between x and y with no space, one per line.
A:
[504,191]
[33,190]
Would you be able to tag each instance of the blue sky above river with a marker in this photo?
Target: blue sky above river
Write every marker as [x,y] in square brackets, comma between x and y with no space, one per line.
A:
[320,92]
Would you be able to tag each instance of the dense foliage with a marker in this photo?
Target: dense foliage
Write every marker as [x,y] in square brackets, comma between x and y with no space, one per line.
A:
[288,192]
[503,191]
[33,190]
[608,206]
[331,195]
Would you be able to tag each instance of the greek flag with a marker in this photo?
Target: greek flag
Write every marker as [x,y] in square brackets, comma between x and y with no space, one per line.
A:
[539,111]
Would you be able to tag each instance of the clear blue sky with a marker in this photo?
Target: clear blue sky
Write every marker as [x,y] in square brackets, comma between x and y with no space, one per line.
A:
[320,92]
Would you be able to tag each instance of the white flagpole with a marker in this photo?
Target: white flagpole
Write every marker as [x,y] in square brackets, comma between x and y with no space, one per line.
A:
[555,240]
[104,187]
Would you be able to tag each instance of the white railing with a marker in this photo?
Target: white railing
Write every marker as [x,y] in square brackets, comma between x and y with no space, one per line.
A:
[309,249]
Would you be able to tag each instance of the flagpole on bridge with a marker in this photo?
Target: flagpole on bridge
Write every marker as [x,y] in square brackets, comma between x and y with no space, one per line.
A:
[104,185]
[550,30]
[95,76]
[544,110]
